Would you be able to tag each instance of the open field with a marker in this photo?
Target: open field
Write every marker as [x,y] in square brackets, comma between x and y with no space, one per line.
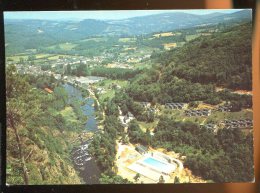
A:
[64,46]
[191,37]
[150,126]
[67,46]
[124,40]
[168,46]
[97,39]
[166,34]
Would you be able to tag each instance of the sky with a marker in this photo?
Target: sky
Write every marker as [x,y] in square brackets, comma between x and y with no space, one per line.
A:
[101,15]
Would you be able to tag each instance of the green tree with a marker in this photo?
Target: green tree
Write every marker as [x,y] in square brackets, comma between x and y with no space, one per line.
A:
[21,106]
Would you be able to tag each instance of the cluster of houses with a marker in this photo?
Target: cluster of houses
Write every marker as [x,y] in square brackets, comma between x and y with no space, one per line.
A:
[35,70]
[241,123]
[199,112]
[22,69]
[133,59]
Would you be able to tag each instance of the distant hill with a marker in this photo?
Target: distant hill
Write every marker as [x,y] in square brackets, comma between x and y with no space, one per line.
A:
[27,34]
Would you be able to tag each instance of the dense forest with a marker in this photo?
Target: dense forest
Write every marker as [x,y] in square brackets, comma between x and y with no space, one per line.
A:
[224,59]
[160,87]
[223,157]
[185,75]
[115,73]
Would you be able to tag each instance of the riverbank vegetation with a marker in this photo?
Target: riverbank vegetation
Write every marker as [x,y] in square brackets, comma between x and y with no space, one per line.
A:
[103,147]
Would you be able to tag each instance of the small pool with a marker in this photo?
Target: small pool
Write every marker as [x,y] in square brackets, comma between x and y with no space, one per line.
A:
[156,163]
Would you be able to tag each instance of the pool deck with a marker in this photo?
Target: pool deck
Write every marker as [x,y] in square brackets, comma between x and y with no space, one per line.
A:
[128,164]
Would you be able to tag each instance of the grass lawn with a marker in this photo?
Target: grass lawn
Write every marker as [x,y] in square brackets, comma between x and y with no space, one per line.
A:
[151,126]
[56,57]
[67,46]
[40,56]
[109,94]
[16,58]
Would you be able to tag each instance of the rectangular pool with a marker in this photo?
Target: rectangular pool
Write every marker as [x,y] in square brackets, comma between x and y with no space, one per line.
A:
[156,163]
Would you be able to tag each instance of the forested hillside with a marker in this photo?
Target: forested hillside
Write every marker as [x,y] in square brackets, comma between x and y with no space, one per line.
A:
[41,129]
[223,59]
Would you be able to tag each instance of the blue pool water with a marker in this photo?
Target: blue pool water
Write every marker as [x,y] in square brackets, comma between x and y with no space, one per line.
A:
[156,163]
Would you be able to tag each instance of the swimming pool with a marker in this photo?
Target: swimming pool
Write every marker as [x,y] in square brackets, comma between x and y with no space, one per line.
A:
[159,165]
[153,167]
[156,163]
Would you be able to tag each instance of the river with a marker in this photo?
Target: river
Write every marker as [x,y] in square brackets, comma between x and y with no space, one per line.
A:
[90,172]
